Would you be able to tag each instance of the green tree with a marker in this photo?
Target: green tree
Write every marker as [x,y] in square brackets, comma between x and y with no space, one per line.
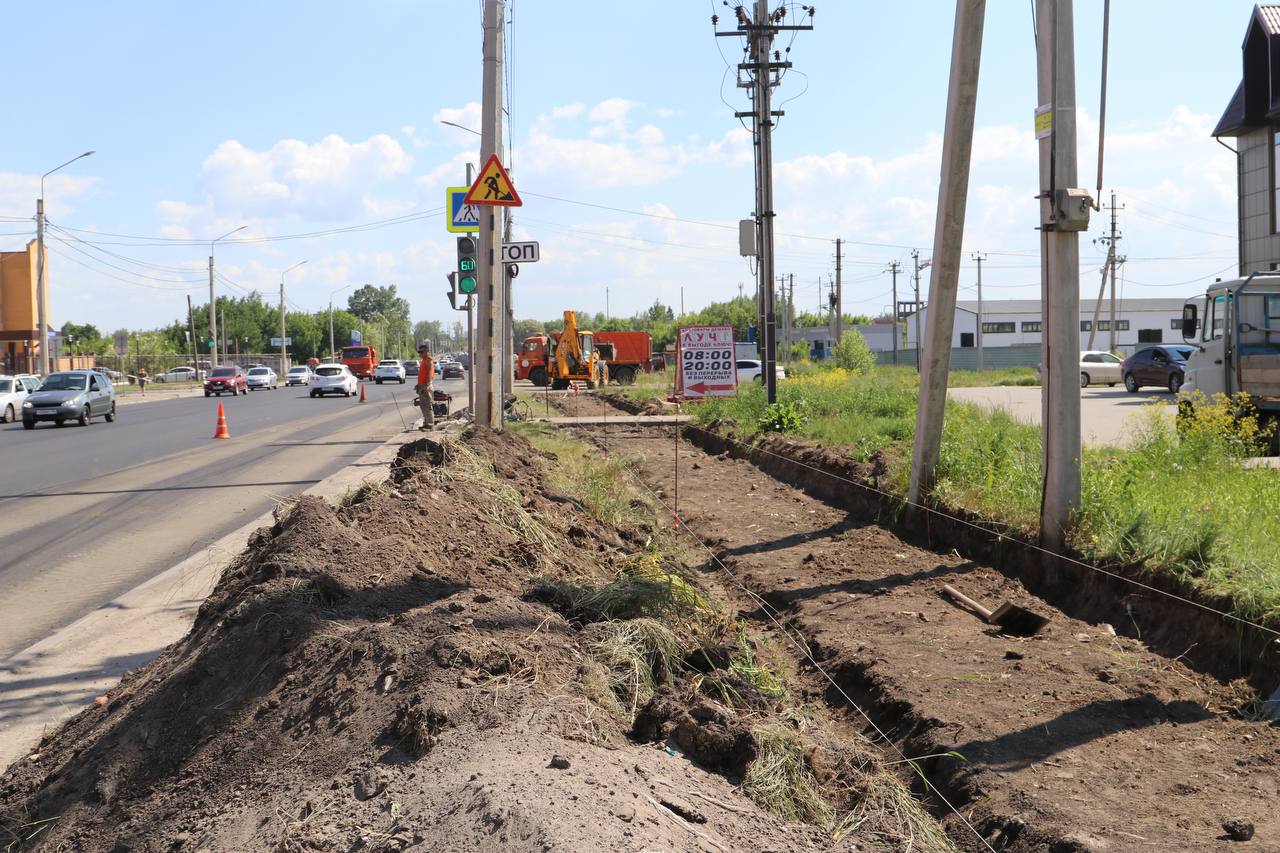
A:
[852,352]
[371,300]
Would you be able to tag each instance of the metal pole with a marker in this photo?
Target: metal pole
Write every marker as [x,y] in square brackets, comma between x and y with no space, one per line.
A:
[839,307]
[1112,257]
[42,335]
[331,327]
[488,402]
[944,280]
[915,255]
[508,315]
[195,345]
[979,257]
[283,366]
[471,355]
[893,268]
[213,315]
[1060,263]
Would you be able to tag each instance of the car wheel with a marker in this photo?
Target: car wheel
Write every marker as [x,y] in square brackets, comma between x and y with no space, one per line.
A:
[401,381]
[59,423]
[86,416]
[1084,380]
[111,415]
[1175,382]
[8,415]
[313,395]
[1130,383]
[26,424]
[208,394]
[1111,384]
[759,377]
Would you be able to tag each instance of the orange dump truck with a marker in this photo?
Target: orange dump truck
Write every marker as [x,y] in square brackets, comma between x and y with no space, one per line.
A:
[631,352]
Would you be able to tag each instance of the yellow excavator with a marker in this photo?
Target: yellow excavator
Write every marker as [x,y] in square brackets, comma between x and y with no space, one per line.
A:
[575,357]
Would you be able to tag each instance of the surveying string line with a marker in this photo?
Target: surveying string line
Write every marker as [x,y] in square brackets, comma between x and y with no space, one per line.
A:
[997,535]
[801,646]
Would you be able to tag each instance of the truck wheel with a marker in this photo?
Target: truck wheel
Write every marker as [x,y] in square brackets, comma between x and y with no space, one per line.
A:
[1130,383]
[538,376]
[1175,382]
[559,384]
[625,376]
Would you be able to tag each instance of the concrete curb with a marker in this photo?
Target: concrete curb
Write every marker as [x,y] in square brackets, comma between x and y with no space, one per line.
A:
[50,681]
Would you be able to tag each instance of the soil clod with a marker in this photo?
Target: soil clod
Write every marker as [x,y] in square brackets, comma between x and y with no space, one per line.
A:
[1238,829]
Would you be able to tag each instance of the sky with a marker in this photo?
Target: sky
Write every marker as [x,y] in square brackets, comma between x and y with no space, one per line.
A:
[296,118]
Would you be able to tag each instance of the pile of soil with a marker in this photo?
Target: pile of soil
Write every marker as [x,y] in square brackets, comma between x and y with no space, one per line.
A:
[374,677]
[1083,738]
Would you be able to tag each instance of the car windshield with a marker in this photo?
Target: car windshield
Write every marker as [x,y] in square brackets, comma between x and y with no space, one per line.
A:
[391,363]
[259,371]
[1179,353]
[223,372]
[329,371]
[65,382]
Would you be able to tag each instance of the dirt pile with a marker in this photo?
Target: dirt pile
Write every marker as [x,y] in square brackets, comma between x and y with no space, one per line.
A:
[377,677]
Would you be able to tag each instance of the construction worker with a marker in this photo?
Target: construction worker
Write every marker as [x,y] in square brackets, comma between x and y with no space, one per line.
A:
[426,395]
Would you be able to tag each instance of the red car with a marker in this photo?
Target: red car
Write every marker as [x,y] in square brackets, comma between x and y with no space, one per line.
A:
[226,380]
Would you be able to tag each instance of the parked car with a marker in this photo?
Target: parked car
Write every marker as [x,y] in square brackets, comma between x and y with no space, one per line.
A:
[1164,365]
[389,370]
[411,369]
[1098,367]
[751,370]
[261,377]
[115,376]
[13,391]
[226,380]
[333,379]
[299,374]
[178,374]
[452,370]
[79,395]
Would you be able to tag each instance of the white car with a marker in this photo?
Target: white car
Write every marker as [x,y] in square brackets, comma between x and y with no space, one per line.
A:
[261,377]
[13,390]
[333,379]
[180,374]
[751,370]
[389,370]
[1097,367]
[299,374]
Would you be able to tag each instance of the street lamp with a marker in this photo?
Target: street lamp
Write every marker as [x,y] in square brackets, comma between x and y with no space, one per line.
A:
[43,310]
[459,127]
[331,295]
[284,366]
[213,314]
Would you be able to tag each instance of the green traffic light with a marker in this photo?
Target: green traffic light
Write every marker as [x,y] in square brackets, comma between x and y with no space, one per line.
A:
[467,284]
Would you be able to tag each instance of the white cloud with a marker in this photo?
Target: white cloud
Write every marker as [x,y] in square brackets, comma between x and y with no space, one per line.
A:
[613,109]
[18,194]
[568,111]
[467,116]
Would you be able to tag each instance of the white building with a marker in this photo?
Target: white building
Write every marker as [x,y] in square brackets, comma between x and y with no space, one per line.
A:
[1010,322]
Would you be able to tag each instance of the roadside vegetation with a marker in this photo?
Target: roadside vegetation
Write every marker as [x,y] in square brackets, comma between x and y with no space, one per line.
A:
[1177,499]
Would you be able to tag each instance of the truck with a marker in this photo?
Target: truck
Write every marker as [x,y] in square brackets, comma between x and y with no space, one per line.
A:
[1235,329]
[361,359]
[624,353]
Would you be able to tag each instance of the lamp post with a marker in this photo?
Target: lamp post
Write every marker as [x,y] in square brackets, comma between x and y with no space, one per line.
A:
[331,295]
[213,314]
[42,308]
[284,365]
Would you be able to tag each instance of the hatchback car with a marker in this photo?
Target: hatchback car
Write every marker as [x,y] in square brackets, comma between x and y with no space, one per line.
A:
[1098,367]
[299,374]
[411,369]
[226,380]
[261,377]
[452,370]
[751,370]
[333,379]
[389,370]
[79,395]
[1161,365]
[13,391]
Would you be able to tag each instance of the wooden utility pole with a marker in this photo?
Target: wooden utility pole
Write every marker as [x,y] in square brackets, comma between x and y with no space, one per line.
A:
[948,231]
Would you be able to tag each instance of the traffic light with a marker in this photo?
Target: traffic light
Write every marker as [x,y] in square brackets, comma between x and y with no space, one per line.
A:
[467,247]
[453,290]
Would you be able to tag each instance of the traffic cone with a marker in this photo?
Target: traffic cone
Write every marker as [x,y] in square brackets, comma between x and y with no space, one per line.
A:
[221,431]
[361,392]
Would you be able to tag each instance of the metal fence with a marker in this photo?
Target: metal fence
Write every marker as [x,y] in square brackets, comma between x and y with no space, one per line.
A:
[966,358]
[157,366]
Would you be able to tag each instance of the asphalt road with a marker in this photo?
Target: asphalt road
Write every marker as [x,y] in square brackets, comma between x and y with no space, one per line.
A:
[1108,416]
[87,513]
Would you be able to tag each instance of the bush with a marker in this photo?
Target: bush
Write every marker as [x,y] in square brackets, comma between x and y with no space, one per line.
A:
[781,417]
[852,353]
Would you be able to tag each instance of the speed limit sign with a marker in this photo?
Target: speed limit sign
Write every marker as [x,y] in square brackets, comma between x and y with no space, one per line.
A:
[707,363]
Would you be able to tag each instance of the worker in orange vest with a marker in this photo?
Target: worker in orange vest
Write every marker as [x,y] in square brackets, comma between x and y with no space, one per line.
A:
[426,395]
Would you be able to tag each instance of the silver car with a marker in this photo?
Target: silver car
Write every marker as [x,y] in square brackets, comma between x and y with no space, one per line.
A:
[261,377]
[79,395]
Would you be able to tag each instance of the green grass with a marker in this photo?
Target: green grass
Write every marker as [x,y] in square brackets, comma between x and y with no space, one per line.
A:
[1186,505]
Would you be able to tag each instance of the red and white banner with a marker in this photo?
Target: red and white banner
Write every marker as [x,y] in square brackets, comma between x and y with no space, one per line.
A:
[707,364]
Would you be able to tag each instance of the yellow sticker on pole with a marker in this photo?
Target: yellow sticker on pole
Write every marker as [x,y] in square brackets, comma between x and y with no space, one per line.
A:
[1044,121]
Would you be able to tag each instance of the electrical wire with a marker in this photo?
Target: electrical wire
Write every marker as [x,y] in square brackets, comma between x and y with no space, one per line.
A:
[125,270]
[131,283]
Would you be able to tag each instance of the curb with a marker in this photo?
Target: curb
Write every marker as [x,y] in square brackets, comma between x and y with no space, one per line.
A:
[52,680]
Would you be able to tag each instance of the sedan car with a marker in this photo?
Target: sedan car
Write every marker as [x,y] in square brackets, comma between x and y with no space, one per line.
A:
[333,379]
[1097,367]
[389,370]
[226,380]
[411,369]
[452,370]
[751,370]
[178,374]
[299,374]
[13,391]
[261,377]
[79,395]
[1164,365]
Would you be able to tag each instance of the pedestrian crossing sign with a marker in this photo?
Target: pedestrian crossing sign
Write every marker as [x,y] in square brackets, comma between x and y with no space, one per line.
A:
[463,217]
[493,188]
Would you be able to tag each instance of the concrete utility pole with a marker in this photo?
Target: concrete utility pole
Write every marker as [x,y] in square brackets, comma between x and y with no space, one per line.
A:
[42,294]
[919,265]
[895,268]
[489,281]
[948,232]
[195,345]
[1109,267]
[762,76]
[284,358]
[839,306]
[213,299]
[978,257]
[1060,222]
[791,315]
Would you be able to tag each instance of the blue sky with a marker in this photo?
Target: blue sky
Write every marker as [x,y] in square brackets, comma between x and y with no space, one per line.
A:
[295,118]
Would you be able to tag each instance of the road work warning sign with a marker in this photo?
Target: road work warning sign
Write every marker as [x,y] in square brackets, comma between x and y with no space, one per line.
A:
[493,187]
[707,366]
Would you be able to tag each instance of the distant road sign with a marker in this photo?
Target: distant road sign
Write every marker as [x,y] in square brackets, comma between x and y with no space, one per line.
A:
[463,217]
[356,337]
[521,253]
[707,363]
[275,342]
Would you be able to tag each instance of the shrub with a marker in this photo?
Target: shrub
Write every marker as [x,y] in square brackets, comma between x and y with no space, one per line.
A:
[853,354]
[781,417]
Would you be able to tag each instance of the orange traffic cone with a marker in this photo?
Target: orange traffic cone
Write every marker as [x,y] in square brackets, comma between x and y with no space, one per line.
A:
[221,431]
[361,392]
